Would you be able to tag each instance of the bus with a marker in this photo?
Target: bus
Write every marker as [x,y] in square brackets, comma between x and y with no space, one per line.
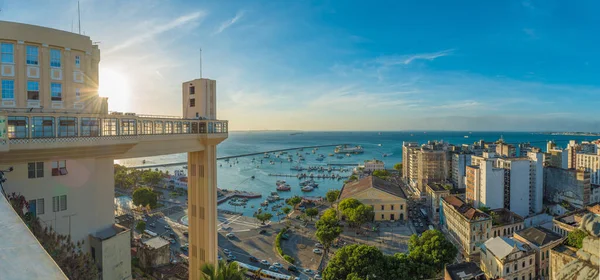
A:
[151,233]
[253,271]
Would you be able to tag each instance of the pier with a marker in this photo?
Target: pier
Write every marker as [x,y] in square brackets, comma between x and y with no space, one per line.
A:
[239,194]
[236,156]
[303,175]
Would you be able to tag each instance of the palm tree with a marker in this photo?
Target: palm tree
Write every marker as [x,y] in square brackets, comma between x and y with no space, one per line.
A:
[224,271]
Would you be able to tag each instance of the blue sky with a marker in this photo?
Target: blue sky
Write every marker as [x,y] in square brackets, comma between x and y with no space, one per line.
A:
[348,65]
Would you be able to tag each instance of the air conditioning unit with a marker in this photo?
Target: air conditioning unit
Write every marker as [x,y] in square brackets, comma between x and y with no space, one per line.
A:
[129,114]
[116,113]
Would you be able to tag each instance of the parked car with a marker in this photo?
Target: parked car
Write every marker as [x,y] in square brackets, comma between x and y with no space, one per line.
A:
[308,271]
[318,277]
[231,257]
[167,227]
[273,268]
[230,235]
[319,245]
[262,231]
[219,258]
[292,268]
[278,265]
[264,262]
[226,251]
[317,251]
[253,259]
[152,225]
[172,234]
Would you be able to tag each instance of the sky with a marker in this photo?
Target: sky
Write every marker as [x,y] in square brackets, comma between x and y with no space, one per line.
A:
[347,65]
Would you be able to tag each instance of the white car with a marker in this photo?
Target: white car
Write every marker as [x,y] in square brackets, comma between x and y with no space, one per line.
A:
[278,265]
[317,251]
[318,277]
[230,235]
[226,251]
[308,271]
[264,262]
[167,227]
[319,245]
[273,268]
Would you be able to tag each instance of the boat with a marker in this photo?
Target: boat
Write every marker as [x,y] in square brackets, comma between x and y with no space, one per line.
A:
[252,177]
[266,155]
[297,168]
[340,157]
[330,155]
[379,145]
[264,203]
[307,189]
[313,184]
[343,149]
[284,188]
[348,155]
[384,155]
[466,136]
[319,159]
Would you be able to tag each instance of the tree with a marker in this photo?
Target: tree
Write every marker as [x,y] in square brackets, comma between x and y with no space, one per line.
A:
[356,262]
[224,271]
[332,196]
[312,212]
[68,255]
[141,226]
[431,248]
[348,203]
[263,217]
[382,174]
[360,215]
[328,228]
[575,238]
[145,196]
[484,209]
[293,201]
[286,210]
[152,178]
[398,166]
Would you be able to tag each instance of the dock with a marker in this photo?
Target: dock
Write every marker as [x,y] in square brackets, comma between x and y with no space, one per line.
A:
[239,194]
[343,164]
[236,156]
[303,176]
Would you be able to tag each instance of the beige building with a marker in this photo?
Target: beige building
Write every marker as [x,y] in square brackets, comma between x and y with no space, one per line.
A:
[387,199]
[469,226]
[541,240]
[507,258]
[154,252]
[434,192]
[432,166]
[591,164]
[505,150]
[505,222]
[374,164]
[62,142]
[570,221]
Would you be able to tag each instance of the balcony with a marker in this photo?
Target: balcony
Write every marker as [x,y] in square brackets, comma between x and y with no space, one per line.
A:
[118,135]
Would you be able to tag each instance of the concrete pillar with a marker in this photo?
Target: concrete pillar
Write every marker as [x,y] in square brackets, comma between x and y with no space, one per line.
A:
[202,209]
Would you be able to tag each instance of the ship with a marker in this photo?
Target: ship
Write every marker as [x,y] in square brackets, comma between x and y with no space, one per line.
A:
[345,149]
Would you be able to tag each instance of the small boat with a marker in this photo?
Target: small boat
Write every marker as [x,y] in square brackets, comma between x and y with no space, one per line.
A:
[319,159]
[330,155]
[284,188]
[384,155]
[340,157]
[266,155]
[348,155]
[252,177]
[307,189]
[264,203]
[466,136]
[379,145]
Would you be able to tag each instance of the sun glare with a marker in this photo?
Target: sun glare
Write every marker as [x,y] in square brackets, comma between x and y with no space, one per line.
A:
[115,86]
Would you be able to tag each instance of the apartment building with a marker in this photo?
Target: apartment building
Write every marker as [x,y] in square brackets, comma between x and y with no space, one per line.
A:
[62,141]
[460,161]
[505,150]
[541,240]
[469,226]
[568,222]
[507,258]
[591,164]
[570,185]
[409,162]
[424,164]
[434,192]
[556,158]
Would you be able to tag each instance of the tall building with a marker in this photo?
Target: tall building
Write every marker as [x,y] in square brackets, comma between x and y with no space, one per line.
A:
[505,150]
[409,162]
[591,164]
[434,192]
[497,182]
[469,226]
[62,142]
[507,258]
[570,185]
[459,169]
[556,158]
[424,164]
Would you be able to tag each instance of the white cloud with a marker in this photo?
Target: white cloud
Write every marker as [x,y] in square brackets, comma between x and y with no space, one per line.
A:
[407,59]
[228,23]
[152,30]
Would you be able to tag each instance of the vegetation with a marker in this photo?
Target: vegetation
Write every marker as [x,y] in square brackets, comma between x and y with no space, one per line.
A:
[152,178]
[383,174]
[126,178]
[332,196]
[144,197]
[328,228]
[398,166]
[278,247]
[293,201]
[225,271]
[263,217]
[351,179]
[426,257]
[312,212]
[575,238]
[141,226]
[448,187]
[355,212]
[286,210]
[484,209]
[67,255]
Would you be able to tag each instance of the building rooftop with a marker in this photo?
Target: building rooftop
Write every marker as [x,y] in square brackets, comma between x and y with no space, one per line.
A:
[503,216]
[574,218]
[465,209]
[502,246]
[352,188]
[156,242]
[539,236]
[437,187]
[465,271]
[109,232]
[566,250]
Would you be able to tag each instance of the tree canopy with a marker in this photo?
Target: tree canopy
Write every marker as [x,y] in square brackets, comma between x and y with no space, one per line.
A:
[263,217]
[431,248]
[152,178]
[141,226]
[224,271]
[332,195]
[356,262]
[328,228]
[398,166]
[286,210]
[575,238]
[355,212]
[383,174]
[312,212]
[293,201]
[144,197]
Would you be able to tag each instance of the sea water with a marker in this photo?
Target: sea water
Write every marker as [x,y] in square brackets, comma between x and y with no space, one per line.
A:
[237,173]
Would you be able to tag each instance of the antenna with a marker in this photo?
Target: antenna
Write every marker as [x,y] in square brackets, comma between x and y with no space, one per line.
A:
[79,17]
[200,63]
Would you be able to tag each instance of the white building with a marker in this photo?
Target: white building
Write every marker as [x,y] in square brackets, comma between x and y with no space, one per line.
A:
[374,164]
[507,258]
[590,163]
[459,168]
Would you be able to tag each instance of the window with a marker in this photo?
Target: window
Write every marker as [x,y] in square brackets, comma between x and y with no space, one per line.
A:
[382,207]
[401,206]
[32,55]
[147,127]
[177,127]
[523,264]
[67,127]
[90,127]
[59,168]
[42,127]
[77,61]
[7,53]
[168,127]
[35,170]
[59,203]
[8,89]
[382,217]
[158,127]
[77,94]
[56,91]
[36,206]
[530,261]
[516,266]
[192,102]
[17,127]
[548,254]
[392,206]
[109,127]
[128,126]
[192,90]
[507,269]
[186,127]
[55,58]
[542,256]
[33,90]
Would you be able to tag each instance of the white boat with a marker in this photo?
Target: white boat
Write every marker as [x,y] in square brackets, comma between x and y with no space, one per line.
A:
[466,136]
[307,189]
[343,149]
[266,155]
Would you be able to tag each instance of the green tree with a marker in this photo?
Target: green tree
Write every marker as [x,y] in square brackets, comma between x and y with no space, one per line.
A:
[152,178]
[360,215]
[575,238]
[224,271]
[141,226]
[398,166]
[356,262]
[312,212]
[431,248]
[328,228]
[286,210]
[484,209]
[145,196]
[332,196]
[293,201]
[348,203]
[352,178]
[263,217]
[383,174]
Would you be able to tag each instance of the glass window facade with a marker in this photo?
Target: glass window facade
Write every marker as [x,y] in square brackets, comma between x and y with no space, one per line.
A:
[33,90]
[7,53]
[147,127]
[56,91]
[109,127]
[43,127]
[177,128]
[8,89]
[128,127]
[168,127]
[55,58]
[158,127]
[90,127]
[32,55]
[67,127]
[18,128]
